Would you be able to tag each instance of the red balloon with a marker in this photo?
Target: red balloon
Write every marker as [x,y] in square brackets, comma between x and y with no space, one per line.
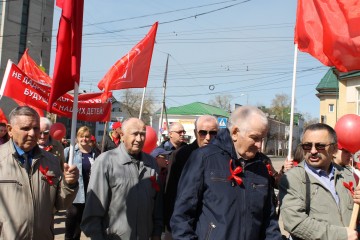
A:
[57,131]
[150,140]
[348,132]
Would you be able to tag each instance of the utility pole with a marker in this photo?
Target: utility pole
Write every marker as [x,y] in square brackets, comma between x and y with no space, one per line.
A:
[163,102]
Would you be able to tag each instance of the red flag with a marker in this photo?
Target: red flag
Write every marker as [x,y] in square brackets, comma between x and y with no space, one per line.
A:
[132,70]
[3,118]
[38,110]
[329,31]
[29,66]
[68,52]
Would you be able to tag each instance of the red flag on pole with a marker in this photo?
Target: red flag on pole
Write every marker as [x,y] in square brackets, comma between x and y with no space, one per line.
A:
[68,51]
[132,70]
[29,66]
[329,31]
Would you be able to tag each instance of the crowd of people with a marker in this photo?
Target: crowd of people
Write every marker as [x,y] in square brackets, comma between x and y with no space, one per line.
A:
[220,186]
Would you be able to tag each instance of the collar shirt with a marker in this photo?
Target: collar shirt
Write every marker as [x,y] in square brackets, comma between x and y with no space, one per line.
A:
[327,180]
[24,157]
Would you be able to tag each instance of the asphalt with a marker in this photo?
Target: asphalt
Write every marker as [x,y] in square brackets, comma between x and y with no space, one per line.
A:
[60,216]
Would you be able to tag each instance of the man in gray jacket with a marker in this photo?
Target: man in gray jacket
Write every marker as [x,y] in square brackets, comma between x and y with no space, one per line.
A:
[124,199]
[316,196]
[32,184]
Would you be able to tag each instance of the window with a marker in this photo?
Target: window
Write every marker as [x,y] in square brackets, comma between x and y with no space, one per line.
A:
[323,119]
[331,107]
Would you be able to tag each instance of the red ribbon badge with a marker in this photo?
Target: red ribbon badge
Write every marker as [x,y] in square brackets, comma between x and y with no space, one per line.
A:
[48,148]
[268,166]
[154,183]
[349,186]
[234,173]
[48,178]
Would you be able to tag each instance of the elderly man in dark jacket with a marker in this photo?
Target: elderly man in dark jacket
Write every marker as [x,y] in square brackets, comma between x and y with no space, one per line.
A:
[206,128]
[225,191]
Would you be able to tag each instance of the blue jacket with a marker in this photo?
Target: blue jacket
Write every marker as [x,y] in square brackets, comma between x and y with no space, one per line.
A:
[210,206]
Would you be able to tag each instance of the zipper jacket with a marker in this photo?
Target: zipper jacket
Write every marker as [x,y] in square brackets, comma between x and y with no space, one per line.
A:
[326,219]
[212,205]
[27,201]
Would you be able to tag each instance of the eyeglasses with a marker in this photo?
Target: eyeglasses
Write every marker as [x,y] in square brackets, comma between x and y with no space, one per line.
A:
[180,132]
[46,132]
[204,133]
[318,146]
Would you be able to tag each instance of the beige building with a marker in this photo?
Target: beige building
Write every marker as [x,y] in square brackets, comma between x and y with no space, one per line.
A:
[339,94]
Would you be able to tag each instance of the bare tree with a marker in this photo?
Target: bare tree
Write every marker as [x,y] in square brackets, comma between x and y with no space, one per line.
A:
[222,101]
[132,104]
[309,119]
[280,106]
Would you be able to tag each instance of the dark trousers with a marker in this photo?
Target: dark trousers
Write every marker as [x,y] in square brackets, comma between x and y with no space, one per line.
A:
[73,219]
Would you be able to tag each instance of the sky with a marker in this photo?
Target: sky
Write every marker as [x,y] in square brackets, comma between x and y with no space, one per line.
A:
[238,48]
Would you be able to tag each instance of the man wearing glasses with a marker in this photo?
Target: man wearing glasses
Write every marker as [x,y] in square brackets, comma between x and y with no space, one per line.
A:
[48,144]
[316,196]
[206,128]
[177,137]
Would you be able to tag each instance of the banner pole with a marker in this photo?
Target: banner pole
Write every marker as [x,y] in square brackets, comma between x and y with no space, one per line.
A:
[104,135]
[142,103]
[73,123]
[292,104]
[5,78]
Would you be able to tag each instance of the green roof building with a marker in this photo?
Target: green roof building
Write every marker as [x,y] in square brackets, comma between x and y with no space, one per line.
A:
[198,109]
[186,115]
[339,94]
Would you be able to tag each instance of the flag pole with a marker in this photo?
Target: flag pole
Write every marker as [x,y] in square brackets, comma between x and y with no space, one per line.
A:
[292,104]
[163,101]
[5,78]
[73,123]
[104,135]
[142,103]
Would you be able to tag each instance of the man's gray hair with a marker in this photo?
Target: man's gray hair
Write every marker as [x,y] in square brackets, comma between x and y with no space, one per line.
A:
[322,126]
[242,116]
[173,125]
[206,118]
[46,121]
[23,111]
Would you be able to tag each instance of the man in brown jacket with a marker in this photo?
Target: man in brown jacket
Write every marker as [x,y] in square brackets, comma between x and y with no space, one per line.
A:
[32,185]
